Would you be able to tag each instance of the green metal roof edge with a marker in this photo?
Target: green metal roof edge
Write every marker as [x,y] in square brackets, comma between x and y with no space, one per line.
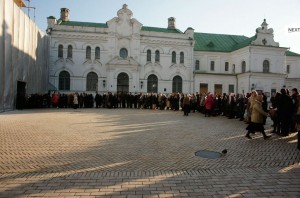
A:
[157,29]
[289,53]
[85,24]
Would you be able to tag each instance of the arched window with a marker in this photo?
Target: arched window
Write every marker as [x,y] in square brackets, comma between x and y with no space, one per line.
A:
[197,65]
[181,57]
[148,55]
[60,51]
[92,81]
[157,56]
[266,66]
[97,53]
[64,81]
[177,84]
[88,52]
[243,67]
[152,83]
[123,53]
[70,51]
[173,57]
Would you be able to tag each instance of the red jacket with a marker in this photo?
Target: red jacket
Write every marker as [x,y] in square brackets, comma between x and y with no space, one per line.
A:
[209,102]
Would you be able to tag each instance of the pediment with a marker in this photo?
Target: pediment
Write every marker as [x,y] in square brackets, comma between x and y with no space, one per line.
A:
[121,61]
[177,66]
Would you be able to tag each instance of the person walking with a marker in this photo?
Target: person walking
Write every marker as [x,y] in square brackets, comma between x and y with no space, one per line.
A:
[257,118]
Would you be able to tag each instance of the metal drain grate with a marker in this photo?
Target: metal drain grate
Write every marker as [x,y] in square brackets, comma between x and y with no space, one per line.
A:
[208,154]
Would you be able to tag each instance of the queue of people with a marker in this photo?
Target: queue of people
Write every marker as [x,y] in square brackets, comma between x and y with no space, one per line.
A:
[252,108]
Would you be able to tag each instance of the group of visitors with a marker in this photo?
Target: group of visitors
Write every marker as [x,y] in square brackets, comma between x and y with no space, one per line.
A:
[252,107]
[284,112]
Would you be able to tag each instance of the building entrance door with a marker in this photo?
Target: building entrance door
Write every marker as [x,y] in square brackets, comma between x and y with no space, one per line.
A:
[123,83]
[218,89]
[21,95]
[203,88]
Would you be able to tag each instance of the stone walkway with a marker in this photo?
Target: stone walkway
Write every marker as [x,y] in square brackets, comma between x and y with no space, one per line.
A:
[140,153]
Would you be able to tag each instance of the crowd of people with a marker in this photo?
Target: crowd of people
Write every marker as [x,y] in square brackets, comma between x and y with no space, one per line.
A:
[253,108]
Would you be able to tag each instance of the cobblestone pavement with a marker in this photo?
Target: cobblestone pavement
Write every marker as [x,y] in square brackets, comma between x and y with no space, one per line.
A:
[140,153]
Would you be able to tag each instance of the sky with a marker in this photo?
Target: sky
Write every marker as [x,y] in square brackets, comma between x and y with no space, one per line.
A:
[236,17]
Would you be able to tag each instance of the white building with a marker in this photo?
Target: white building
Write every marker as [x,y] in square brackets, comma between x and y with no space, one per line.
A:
[124,55]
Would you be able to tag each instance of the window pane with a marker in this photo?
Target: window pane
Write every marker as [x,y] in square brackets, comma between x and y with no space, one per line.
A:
[123,53]
[70,49]
[181,57]
[212,65]
[157,56]
[226,66]
[231,88]
[266,66]
[60,51]
[197,65]
[173,57]
[243,67]
[88,52]
[97,53]
[148,55]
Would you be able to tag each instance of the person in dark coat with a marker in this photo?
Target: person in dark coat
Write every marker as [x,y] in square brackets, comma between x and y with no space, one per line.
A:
[295,101]
[265,106]
[186,105]
[285,112]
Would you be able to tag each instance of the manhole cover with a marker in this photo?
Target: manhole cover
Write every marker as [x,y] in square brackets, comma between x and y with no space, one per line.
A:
[208,154]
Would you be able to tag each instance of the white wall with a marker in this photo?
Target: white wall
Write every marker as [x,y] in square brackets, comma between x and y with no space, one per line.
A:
[23,55]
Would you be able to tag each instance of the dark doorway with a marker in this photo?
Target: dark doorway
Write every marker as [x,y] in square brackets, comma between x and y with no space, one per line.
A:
[177,84]
[123,83]
[21,95]
[152,83]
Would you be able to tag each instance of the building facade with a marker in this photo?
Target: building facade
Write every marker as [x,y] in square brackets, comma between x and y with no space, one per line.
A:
[124,55]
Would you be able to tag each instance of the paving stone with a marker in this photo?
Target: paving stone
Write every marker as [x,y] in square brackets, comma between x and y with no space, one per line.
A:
[140,153]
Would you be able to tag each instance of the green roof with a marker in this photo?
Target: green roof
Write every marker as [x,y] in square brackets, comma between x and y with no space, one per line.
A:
[85,24]
[217,42]
[289,53]
[156,29]
[244,43]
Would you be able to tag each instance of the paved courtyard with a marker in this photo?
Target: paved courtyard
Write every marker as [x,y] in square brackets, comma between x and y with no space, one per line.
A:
[140,153]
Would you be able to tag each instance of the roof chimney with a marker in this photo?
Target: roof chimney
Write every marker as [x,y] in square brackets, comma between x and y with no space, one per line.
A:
[171,23]
[65,14]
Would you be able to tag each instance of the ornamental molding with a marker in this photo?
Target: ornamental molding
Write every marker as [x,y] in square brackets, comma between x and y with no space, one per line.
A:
[68,36]
[160,42]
